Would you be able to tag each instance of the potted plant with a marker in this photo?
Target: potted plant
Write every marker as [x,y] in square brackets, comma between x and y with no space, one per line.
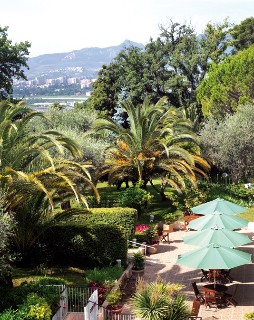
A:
[152,240]
[113,299]
[138,263]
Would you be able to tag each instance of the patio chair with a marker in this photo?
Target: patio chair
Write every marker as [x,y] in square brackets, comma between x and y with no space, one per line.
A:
[204,275]
[167,228]
[226,276]
[195,310]
[199,296]
[214,299]
[230,297]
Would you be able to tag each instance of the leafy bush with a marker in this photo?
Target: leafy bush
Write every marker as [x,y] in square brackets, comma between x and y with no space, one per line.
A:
[13,297]
[159,300]
[113,298]
[104,274]
[9,314]
[249,316]
[35,307]
[138,261]
[86,246]
[135,198]
[122,217]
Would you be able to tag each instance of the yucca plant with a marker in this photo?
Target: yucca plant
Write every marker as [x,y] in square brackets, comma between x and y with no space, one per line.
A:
[159,300]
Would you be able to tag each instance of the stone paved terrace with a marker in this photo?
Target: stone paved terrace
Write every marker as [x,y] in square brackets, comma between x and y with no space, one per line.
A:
[164,265]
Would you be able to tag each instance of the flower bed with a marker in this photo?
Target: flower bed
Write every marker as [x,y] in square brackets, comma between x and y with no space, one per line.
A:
[142,228]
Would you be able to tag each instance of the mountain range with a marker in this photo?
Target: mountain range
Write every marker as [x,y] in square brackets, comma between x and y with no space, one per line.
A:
[84,62]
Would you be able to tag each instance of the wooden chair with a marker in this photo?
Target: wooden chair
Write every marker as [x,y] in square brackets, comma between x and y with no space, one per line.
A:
[204,275]
[167,229]
[230,297]
[195,310]
[214,299]
[210,298]
[199,296]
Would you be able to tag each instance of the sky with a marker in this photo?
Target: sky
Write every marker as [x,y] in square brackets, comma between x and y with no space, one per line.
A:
[54,26]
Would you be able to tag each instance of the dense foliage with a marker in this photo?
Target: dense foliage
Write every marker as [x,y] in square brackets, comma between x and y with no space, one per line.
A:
[13,61]
[171,65]
[85,246]
[228,84]
[74,124]
[6,259]
[243,34]
[229,144]
[159,300]
[157,143]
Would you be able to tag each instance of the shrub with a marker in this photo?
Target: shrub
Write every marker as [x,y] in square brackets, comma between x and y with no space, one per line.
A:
[249,316]
[35,307]
[138,261]
[159,300]
[135,198]
[113,298]
[86,246]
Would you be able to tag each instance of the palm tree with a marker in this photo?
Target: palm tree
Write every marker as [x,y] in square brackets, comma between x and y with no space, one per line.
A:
[34,176]
[31,162]
[158,143]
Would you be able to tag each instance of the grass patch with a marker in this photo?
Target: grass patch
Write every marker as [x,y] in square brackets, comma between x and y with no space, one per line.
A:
[248,215]
[71,276]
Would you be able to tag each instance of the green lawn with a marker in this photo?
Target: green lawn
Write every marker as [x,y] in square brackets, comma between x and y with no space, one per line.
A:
[70,276]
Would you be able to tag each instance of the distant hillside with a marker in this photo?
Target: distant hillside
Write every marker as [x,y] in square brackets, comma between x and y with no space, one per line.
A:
[85,62]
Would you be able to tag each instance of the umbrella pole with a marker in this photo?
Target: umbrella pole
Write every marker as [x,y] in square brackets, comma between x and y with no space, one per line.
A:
[214,278]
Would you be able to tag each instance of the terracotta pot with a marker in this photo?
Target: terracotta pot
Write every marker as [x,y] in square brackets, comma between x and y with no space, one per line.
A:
[114,311]
[152,248]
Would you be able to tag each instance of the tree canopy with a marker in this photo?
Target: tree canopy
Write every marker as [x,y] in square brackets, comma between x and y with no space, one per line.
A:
[158,143]
[229,143]
[243,34]
[13,61]
[171,65]
[228,84]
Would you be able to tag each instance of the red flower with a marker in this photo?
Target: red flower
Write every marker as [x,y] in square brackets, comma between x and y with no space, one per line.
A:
[142,227]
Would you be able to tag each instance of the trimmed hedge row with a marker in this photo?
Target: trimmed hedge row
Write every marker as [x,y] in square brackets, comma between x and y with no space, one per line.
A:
[125,218]
[85,246]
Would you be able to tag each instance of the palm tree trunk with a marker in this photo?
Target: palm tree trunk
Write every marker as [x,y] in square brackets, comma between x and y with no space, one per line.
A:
[160,191]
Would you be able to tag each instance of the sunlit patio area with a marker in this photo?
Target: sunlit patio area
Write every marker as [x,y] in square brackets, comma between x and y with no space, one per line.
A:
[163,264]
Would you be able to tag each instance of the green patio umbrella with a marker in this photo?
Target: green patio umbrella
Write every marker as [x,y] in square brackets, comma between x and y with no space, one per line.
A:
[218,204]
[217,235]
[219,220]
[214,256]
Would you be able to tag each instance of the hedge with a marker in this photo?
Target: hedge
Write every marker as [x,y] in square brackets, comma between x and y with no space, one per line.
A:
[85,246]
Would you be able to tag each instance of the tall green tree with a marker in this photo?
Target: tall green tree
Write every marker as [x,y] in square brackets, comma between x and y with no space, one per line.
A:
[157,144]
[13,61]
[243,34]
[171,65]
[229,143]
[228,84]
